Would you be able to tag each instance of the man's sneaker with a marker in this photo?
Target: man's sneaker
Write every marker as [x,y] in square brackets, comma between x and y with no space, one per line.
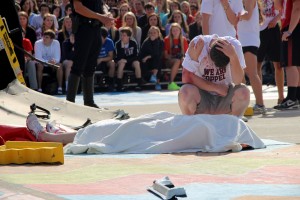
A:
[153,79]
[287,105]
[173,86]
[157,87]
[33,125]
[258,109]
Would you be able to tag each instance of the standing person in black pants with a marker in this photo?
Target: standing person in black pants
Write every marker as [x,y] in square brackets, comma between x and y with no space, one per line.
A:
[8,11]
[88,16]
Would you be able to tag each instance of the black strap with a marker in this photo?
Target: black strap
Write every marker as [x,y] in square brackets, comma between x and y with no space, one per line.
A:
[33,108]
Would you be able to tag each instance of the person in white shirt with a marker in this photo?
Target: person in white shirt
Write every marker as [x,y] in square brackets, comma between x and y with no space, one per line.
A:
[270,44]
[220,16]
[48,50]
[212,76]
[248,35]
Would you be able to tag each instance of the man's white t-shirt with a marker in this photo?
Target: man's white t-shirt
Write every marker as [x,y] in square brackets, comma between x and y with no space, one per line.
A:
[47,53]
[205,67]
[218,22]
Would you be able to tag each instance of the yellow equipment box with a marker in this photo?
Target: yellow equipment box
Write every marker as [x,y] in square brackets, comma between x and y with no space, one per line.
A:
[17,152]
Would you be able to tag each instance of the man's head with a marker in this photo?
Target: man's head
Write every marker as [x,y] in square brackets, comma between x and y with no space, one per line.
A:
[217,56]
[139,5]
[44,8]
[48,37]
[68,9]
[126,33]
[149,8]
[104,32]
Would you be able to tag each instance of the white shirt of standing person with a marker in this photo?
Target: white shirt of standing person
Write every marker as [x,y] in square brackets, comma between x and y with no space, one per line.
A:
[268,12]
[205,67]
[218,22]
[248,30]
[49,52]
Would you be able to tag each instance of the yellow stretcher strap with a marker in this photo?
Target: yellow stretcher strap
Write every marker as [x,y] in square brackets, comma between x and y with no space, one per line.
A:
[6,43]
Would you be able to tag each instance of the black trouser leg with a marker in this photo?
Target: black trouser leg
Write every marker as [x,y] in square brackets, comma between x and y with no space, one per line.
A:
[88,91]
[73,83]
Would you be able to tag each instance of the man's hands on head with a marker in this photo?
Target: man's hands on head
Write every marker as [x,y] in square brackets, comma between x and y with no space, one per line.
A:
[195,49]
[227,48]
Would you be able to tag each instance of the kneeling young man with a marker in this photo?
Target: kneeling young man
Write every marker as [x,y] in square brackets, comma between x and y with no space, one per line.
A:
[212,77]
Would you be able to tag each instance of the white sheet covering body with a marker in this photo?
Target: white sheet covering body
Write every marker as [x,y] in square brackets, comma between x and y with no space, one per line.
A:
[164,132]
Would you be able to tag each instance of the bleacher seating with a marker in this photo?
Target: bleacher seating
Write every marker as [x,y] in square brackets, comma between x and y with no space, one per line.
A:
[129,80]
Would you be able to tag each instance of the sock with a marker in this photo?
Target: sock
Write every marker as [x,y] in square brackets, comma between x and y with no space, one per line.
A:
[119,83]
[66,83]
[139,81]
[110,80]
[298,93]
[292,93]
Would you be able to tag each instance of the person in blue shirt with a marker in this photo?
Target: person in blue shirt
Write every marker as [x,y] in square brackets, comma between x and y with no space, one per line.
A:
[105,61]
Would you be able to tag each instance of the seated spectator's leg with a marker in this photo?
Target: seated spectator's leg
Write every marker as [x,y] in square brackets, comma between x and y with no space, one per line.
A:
[67,66]
[156,65]
[240,100]
[111,68]
[59,76]
[98,61]
[145,69]
[39,70]
[111,74]
[175,68]
[150,68]
[137,69]
[174,64]
[138,74]
[120,72]
[31,72]
[188,99]
[154,72]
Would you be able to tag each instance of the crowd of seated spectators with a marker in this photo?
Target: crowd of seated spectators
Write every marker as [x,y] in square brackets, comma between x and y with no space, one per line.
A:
[147,35]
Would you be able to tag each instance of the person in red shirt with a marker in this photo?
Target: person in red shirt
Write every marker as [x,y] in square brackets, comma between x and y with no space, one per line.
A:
[124,8]
[290,59]
[175,48]
[30,69]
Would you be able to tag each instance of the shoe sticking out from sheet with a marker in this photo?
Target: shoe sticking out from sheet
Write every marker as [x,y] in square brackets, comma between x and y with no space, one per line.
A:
[34,126]
[165,189]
